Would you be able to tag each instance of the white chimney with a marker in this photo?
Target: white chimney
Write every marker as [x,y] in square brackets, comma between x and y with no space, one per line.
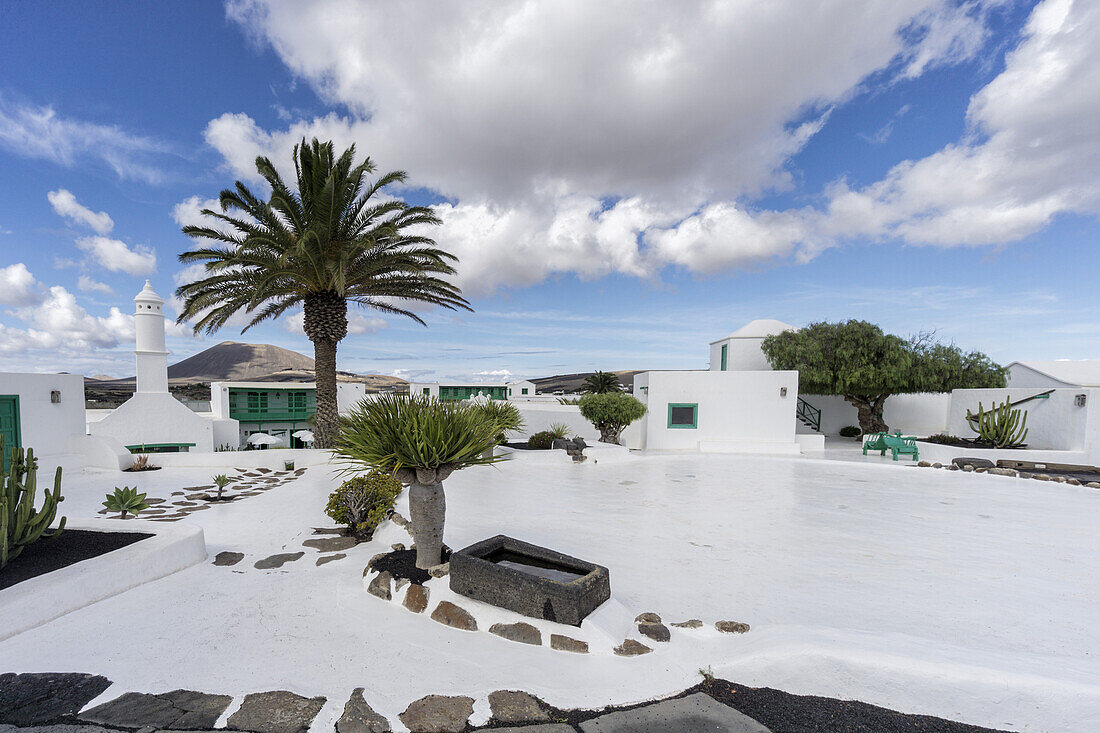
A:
[152,357]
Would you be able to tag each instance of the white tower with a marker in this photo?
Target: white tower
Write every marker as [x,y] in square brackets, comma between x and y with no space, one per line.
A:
[152,357]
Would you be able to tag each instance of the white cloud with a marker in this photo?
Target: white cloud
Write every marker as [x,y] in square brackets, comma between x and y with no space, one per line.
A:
[88,285]
[39,132]
[596,138]
[117,256]
[60,322]
[66,205]
[18,286]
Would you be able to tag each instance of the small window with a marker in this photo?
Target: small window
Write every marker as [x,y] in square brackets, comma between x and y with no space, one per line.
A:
[427,391]
[523,391]
[683,415]
[725,355]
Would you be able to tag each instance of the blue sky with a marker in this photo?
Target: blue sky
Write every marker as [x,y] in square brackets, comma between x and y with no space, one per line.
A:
[623,183]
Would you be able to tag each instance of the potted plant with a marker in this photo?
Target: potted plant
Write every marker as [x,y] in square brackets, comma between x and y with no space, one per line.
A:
[288,465]
[420,441]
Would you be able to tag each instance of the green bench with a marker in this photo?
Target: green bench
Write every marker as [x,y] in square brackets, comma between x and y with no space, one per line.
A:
[893,442]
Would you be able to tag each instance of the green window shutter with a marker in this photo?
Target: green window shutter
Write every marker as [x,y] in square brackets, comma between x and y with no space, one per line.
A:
[725,355]
[524,390]
[683,415]
[427,391]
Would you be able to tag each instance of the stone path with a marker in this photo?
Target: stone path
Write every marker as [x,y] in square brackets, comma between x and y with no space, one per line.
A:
[179,504]
[54,703]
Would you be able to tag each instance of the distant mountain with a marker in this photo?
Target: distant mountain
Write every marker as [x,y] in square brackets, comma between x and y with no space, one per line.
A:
[234,361]
[573,383]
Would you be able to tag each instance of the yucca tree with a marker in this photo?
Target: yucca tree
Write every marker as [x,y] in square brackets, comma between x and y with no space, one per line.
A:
[332,240]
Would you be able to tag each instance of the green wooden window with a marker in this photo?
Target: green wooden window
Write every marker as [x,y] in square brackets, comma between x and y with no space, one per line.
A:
[523,390]
[426,391]
[297,402]
[257,401]
[725,355]
[683,415]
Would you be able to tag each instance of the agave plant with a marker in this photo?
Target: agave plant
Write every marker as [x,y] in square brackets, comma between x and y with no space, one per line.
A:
[126,500]
[559,430]
[221,481]
[420,441]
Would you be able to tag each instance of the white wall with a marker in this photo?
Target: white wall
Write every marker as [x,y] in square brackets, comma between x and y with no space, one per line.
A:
[913,414]
[156,417]
[744,355]
[349,394]
[43,425]
[1025,377]
[738,410]
[417,389]
[1053,423]
[515,389]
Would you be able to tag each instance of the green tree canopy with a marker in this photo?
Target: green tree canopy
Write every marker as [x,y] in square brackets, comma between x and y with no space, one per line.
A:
[610,413]
[865,365]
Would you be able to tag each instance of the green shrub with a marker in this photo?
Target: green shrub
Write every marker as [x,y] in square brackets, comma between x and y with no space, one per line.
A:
[944,439]
[610,413]
[850,431]
[541,441]
[361,503]
[506,416]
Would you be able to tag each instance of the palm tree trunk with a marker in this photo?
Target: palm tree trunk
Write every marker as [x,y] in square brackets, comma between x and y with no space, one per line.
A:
[427,510]
[328,414]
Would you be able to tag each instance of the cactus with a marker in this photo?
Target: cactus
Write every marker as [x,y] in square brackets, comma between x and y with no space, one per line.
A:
[20,523]
[1002,426]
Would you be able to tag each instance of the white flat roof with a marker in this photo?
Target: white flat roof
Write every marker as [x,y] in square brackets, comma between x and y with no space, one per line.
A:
[1078,372]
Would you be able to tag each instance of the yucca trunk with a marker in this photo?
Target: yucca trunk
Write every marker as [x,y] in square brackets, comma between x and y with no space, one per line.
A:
[428,512]
[326,324]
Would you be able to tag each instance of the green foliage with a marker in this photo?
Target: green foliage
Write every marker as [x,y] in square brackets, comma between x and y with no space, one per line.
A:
[559,430]
[944,439]
[569,400]
[20,523]
[850,431]
[362,502]
[1002,426]
[221,481]
[506,416]
[392,432]
[601,383]
[126,500]
[541,441]
[611,412]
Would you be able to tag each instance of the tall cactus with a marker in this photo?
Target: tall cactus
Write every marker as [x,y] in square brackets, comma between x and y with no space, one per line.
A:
[1001,425]
[20,523]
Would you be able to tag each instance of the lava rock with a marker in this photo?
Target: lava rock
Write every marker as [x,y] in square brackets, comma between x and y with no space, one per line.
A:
[325,559]
[923,464]
[438,714]
[522,632]
[697,712]
[568,644]
[438,571]
[693,623]
[510,706]
[29,699]
[380,586]
[657,632]
[277,561]
[631,648]
[647,618]
[963,461]
[359,717]
[731,627]
[416,598]
[332,544]
[276,712]
[454,616]
[225,559]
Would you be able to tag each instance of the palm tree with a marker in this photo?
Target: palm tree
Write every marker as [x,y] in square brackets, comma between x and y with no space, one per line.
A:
[330,242]
[601,382]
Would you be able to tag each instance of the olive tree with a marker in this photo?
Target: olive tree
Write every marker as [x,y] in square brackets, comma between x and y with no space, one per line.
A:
[420,441]
[865,365]
[610,413]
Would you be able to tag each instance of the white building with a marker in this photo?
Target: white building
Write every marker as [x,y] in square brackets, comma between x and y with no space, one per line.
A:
[152,420]
[1062,373]
[41,411]
[740,351]
[278,409]
[521,389]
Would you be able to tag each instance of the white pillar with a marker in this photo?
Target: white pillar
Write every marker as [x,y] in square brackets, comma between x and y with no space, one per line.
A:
[151,354]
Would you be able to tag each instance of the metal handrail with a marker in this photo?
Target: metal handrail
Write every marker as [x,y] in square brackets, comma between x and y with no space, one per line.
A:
[809,414]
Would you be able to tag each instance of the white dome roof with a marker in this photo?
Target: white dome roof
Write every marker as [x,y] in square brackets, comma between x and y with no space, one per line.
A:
[148,295]
[760,328]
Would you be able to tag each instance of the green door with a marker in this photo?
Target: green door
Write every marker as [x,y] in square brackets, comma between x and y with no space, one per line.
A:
[9,424]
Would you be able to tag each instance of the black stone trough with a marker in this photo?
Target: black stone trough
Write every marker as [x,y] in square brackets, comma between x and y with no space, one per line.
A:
[528,579]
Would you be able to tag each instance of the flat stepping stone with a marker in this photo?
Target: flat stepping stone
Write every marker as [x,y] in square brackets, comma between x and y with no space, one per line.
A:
[166,519]
[657,632]
[454,616]
[183,503]
[416,598]
[647,618]
[179,710]
[731,627]
[331,544]
[631,648]
[277,561]
[693,623]
[520,631]
[250,493]
[327,530]
[225,559]
[698,712]
[568,644]
[438,714]
[154,502]
[34,698]
[380,586]
[178,493]
[359,717]
[326,559]
[276,712]
[510,706]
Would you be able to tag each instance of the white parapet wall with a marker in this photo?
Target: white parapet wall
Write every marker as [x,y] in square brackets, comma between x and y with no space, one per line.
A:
[39,600]
[1067,420]
[41,422]
[716,411]
[912,414]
